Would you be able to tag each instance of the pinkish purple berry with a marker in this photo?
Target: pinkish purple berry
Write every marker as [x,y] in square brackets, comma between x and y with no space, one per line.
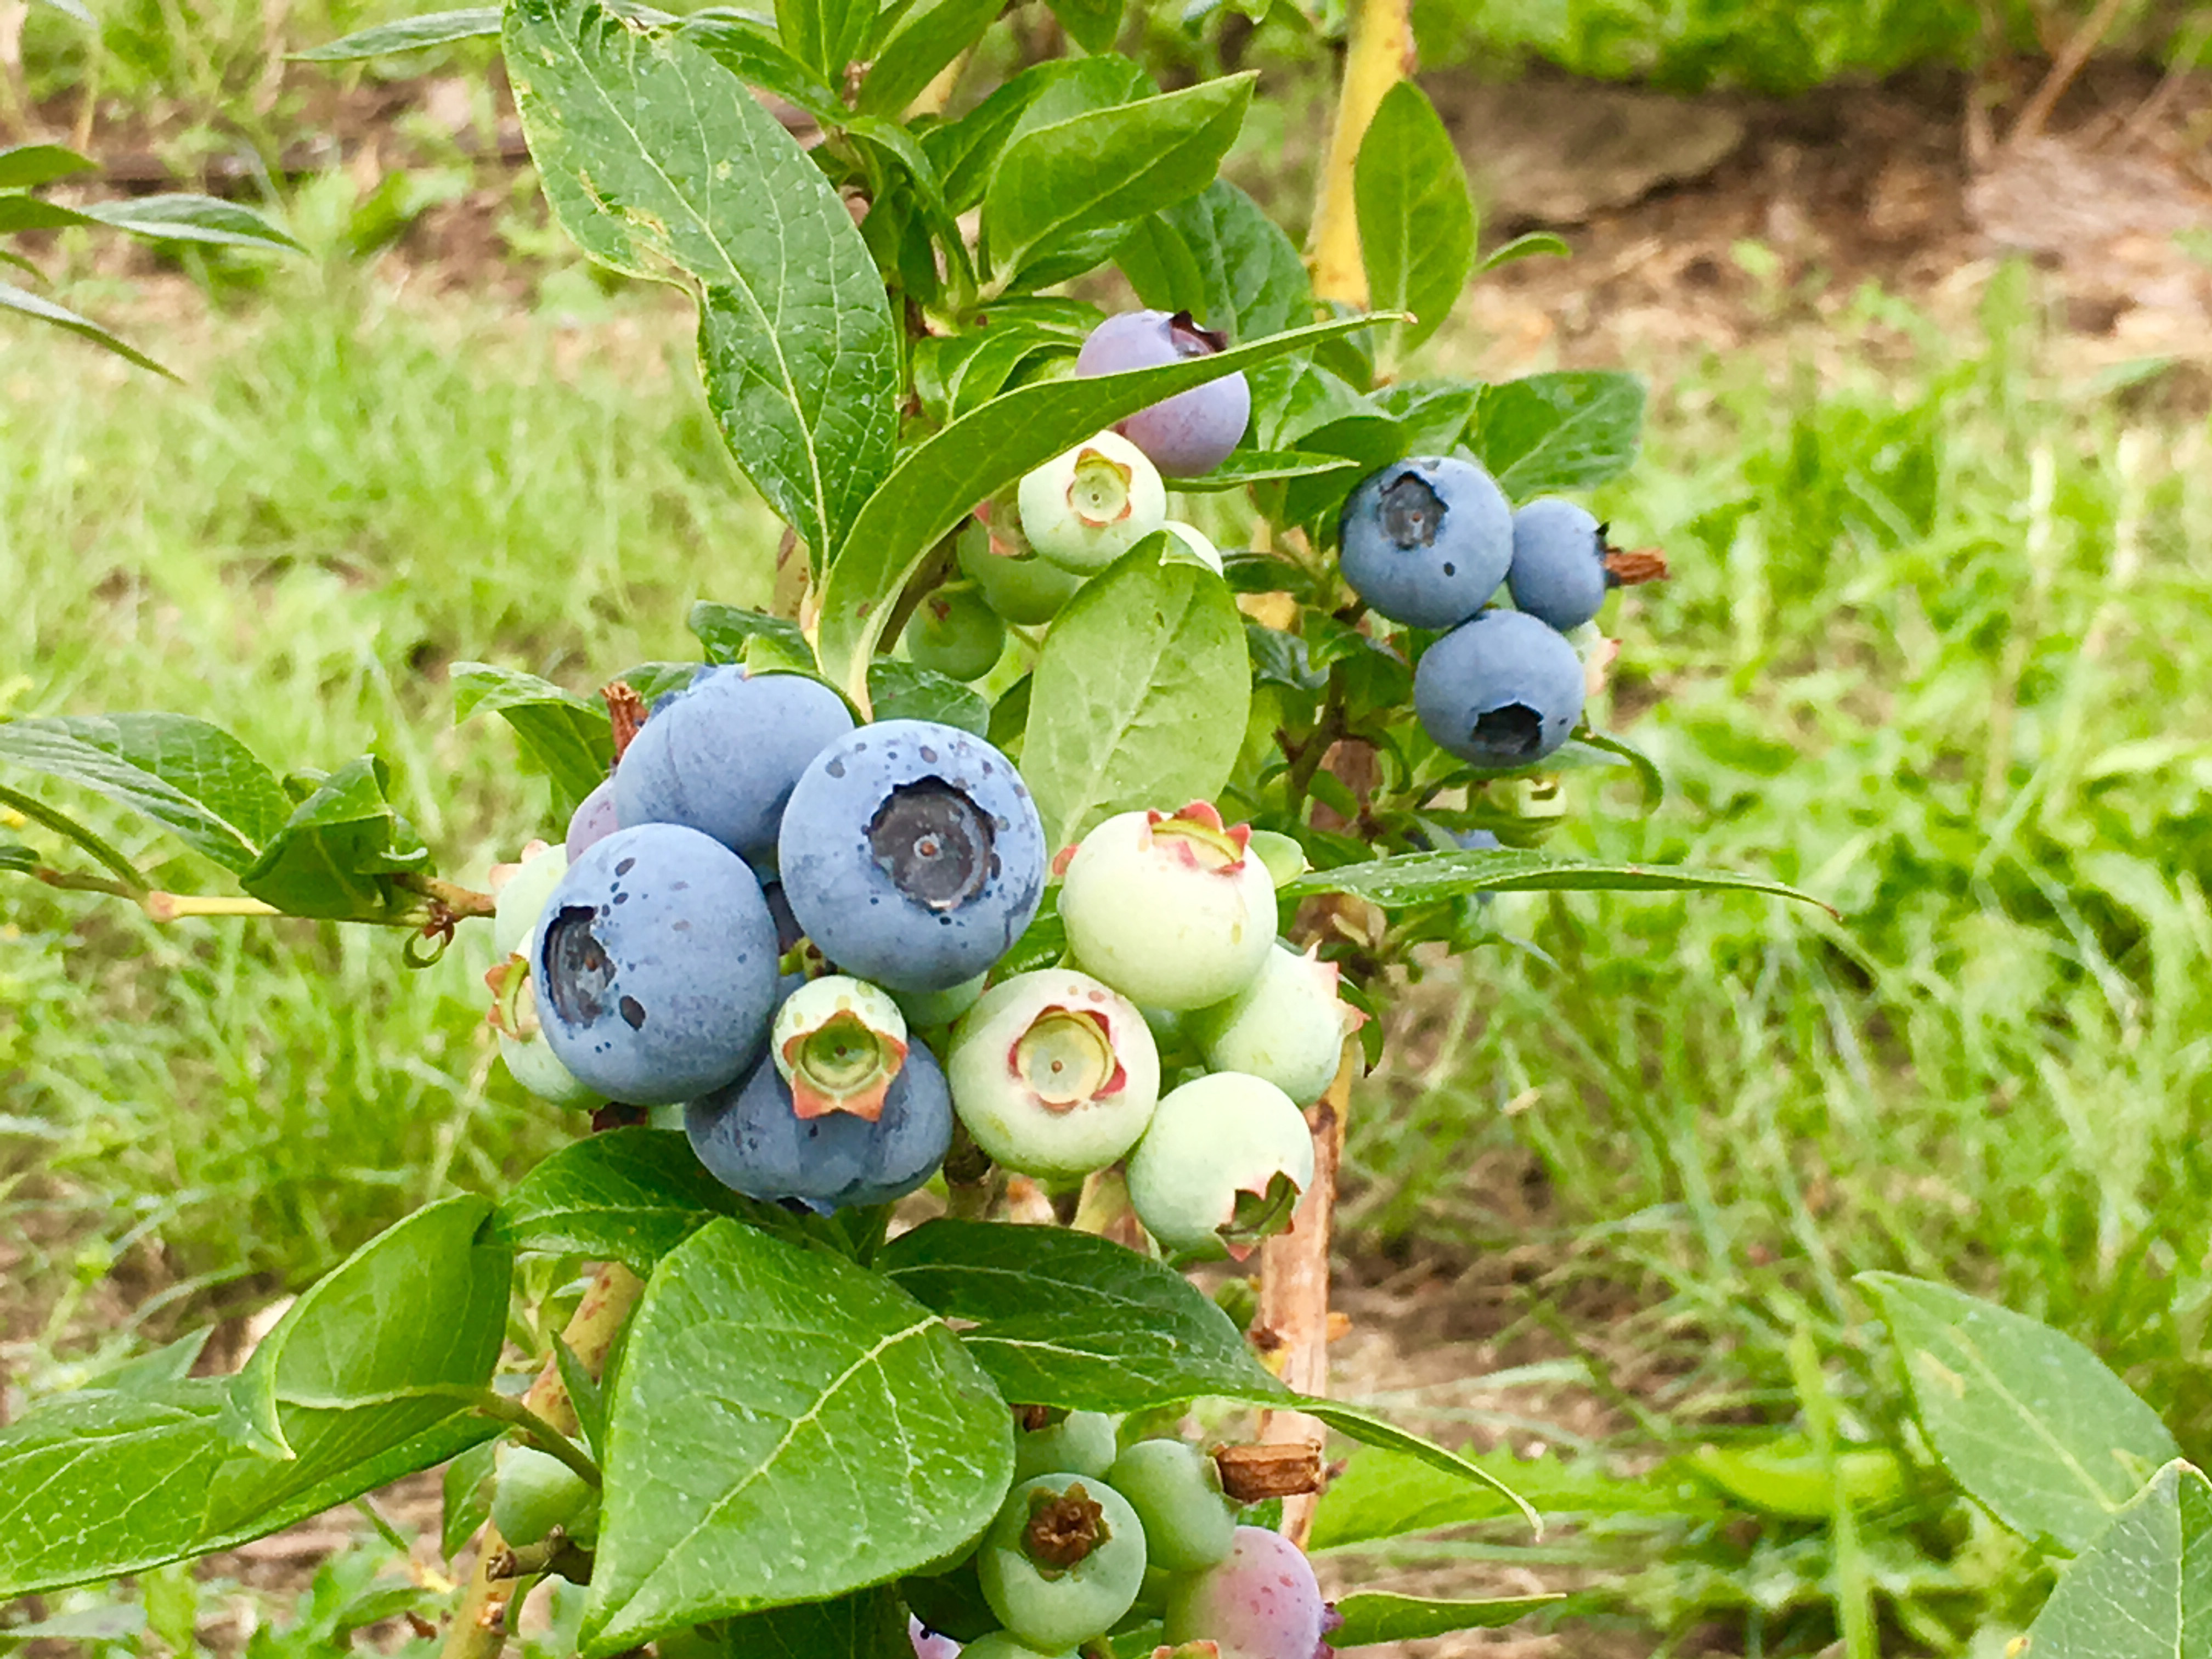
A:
[1263,1602]
[1192,432]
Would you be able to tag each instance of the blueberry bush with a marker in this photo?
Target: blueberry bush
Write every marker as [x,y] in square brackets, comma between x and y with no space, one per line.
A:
[1034,850]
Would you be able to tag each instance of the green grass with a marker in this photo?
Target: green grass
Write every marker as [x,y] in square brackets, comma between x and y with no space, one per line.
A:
[349,496]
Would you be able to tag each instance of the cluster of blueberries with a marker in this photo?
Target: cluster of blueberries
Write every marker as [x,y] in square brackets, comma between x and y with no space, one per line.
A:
[1098,1533]
[786,926]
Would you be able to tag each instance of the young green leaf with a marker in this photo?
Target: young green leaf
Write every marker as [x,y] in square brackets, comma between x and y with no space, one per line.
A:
[764,1382]
[1423,877]
[1249,282]
[30,305]
[1372,1617]
[1251,466]
[29,213]
[657,161]
[825,34]
[938,482]
[1525,246]
[465,1491]
[2144,1590]
[570,737]
[25,166]
[1140,697]
[1063,184]
[1389,1494]
[755,56]
[2026,1419]
[1070,1319]
[966,149]
[1544,432]
[183,218]
[1092,24]
[435,28]
[333,855]
[192,778]
[1416,215]
[629,1195]
[927,36]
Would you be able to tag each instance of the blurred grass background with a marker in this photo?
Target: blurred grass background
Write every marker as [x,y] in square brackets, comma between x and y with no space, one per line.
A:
[1938,647]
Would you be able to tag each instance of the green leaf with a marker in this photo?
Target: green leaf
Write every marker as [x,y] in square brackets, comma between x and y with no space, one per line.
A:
[871,1625]
[27,166]
[825,34]
[1069,1319]
[1355,1423]
[758,59]
[183,218]
[767,1385]
[45,311]
[2031,1423]
[966,149]
[1432,415]
[657,160]
[1092,24]
[192,778]
[1373,1616]
[569,736]
[1389,1494]
[2144,1591]
[1076,179]
[939,481]
[29,213]
[928,36]
[1251,466]
[436,28]
[465,1490]
[629,1195]
[1525,246]
[72,8]
[17,858]
[1566,431]
[1425,878]
[1140,697]
[332,856]
[900,691]
[1416,216]
[106,1482]
[727,631]
[1251,280]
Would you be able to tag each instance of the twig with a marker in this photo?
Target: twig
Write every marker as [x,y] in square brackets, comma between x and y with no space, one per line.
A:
[1293,1323]
[458,902]
[541,1434]
[1381,55]
[479,1630]
[2068,64]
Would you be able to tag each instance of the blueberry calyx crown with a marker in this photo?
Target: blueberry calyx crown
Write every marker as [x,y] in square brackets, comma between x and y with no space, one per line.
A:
[933,842]
[1199,835]
[1412,512]
[1260,1215]
[1065,1058]
[1191,340]
[577,970]
[1063,1529]
[1514,729]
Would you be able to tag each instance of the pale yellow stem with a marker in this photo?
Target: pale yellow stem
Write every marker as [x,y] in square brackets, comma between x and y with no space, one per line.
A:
[1379,55]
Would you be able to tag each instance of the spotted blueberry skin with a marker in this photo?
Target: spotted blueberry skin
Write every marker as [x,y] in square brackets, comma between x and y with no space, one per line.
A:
[1260,1603]
[1558,573]
[912,854]
[655,966]
[1501,691]
[751,1139]
[722,755]
[1193,432]
[1426,540]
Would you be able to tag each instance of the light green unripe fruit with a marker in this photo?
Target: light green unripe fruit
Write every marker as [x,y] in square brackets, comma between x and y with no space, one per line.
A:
[1062,1561]
[1024,589]
[1288,1026]
[1081,1443]
[1222,1165]
[1173,911]
[1085,508]
[521,898]
[1175,1490]
[956,633]
[1054,1074]
[535,1491]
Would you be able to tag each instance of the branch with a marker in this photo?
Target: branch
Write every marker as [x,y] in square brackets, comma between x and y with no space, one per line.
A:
[1381,54]
[479,1630]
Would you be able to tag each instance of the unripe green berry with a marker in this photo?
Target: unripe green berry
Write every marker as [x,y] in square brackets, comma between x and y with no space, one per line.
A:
[1175,1490]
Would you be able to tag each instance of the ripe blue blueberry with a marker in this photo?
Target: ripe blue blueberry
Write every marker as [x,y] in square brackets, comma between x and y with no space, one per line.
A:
[1221,1164]
[1558,574]
[1062,1561]
[722,755]
[1194,431]
[655,966]
[1077,1442]
[1175,1490]
[1426,540]
[594,820]
[956,633]
[1500,691]
[1262,1603]
[912,854]
[1085,508]
[1172,910]
[751,1139]
[1054,1074]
